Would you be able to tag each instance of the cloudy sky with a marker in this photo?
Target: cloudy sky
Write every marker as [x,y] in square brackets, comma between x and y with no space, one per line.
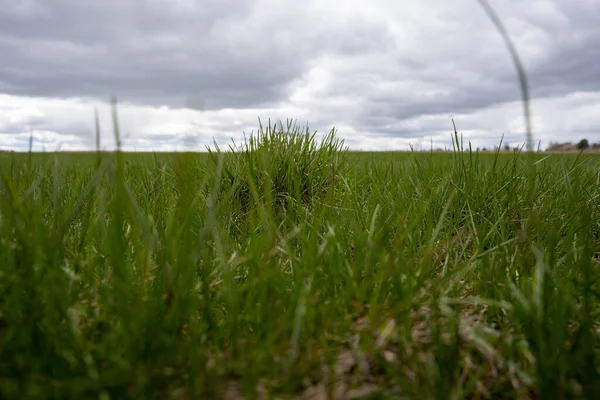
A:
[385,73]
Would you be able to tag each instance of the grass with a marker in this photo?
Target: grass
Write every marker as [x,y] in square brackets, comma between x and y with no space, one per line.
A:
[291,267]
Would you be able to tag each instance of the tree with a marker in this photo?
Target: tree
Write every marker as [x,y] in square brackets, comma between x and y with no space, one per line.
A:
[583,144]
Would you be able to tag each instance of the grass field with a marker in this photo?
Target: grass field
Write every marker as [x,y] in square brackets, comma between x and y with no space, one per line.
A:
[294,269]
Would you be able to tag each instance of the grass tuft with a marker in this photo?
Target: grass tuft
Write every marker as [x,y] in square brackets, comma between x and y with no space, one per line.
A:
[281,165]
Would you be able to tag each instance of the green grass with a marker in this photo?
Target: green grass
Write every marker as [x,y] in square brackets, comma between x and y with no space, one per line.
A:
[291,266]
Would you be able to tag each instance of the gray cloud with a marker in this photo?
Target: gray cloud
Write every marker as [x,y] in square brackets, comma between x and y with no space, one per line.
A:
[385,68]
[218,53]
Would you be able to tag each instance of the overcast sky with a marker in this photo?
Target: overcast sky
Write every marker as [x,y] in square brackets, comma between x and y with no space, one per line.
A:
[385,73]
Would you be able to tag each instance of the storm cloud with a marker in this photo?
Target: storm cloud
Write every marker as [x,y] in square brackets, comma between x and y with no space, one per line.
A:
[384,73]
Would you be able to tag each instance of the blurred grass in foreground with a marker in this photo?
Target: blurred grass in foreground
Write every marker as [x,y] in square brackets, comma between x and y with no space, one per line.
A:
[292,267]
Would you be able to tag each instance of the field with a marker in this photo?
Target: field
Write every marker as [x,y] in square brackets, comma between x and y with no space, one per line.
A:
[294,269]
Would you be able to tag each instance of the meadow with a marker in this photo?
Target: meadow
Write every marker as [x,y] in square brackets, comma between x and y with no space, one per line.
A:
[294,269]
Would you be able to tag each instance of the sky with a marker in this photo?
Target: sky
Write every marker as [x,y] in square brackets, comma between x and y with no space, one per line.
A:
[385,74]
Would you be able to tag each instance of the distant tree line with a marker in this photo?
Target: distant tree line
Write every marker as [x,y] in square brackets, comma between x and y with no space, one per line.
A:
[583,144]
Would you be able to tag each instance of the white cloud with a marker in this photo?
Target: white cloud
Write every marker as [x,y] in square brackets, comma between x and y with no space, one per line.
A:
[69,124]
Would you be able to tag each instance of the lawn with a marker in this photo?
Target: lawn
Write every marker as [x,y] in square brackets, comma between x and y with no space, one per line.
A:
[295,269]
